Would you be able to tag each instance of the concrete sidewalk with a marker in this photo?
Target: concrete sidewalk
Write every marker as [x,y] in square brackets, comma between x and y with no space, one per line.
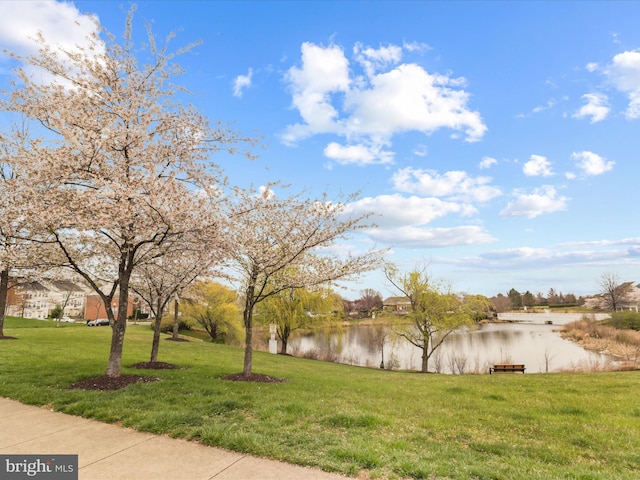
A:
[109,452]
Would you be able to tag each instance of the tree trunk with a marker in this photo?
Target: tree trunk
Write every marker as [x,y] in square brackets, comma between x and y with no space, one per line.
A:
[176,321]
[248,324]
[284,337]
[155,345]
[4,291]
[117,341]
[120,321]
[248,338]
[425,356]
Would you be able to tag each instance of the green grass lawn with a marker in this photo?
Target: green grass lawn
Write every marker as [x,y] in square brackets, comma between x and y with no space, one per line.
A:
[340,418]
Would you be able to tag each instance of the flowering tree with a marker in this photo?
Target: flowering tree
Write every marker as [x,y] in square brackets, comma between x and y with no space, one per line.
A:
[120,167]
[18,255]
[164,277]
[276,244]
[10,252]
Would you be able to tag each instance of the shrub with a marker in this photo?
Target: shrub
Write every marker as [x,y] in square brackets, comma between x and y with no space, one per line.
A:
[625,320]
[166,326]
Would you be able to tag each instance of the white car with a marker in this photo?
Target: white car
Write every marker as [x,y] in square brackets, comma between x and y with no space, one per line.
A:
[98,323]
[67,319]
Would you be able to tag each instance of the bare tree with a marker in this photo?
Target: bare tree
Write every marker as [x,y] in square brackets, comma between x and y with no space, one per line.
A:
[276,245]
[612,292]
[66,296]
[502,303]
[370,300]
[120,168]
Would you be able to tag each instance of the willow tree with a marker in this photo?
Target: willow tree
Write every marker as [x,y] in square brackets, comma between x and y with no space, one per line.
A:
[119,166]
[294,308]
[281,243]
[215,308]
[435,313]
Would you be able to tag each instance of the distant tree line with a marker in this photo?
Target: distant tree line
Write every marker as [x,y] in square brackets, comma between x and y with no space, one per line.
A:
[515,300]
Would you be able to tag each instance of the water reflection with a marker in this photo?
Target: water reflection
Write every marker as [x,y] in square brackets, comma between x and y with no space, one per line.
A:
[539,347]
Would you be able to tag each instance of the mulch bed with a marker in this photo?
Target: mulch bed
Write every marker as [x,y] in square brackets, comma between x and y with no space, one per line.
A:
[104,382]
[110,383]
[254,377]
[116,383]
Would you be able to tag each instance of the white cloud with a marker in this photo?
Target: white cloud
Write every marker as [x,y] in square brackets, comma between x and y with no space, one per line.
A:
[548,106]
[241,82]
[537,166]
[416,237]
[517,253]
[523,257]
[370,109]
[373,60]
[61,23]
[402,221]
[591,163]
[324,71]
[487,162]
[542,200]
[421,150]
[265,191]
[408,98]
[633,241]
[555,256]
[415,46]
[592,67]
[597,107]
[457,185]
[392,211]
[357,154]
[624,74]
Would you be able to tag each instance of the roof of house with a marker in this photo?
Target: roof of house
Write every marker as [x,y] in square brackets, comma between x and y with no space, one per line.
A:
[66,285]
[390,301]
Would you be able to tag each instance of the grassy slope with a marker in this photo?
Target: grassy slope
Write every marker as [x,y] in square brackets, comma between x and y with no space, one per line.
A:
[342,418]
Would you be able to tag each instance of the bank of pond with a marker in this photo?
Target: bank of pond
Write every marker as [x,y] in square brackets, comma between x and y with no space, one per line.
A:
[536,343]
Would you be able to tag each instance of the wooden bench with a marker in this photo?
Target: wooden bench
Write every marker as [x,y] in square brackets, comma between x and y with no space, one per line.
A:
[506,368]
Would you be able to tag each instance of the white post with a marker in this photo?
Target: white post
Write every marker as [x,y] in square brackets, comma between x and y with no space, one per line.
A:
[273,343]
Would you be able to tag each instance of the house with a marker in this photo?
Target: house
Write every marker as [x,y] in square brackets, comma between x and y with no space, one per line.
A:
[30,300]
[397,304]
[37,299]
[94,307]
[630,300]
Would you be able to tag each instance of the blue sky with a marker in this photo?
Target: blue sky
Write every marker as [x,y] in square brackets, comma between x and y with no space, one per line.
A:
[497,142]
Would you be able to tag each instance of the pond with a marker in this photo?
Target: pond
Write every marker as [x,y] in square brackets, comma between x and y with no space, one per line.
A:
[537,345]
